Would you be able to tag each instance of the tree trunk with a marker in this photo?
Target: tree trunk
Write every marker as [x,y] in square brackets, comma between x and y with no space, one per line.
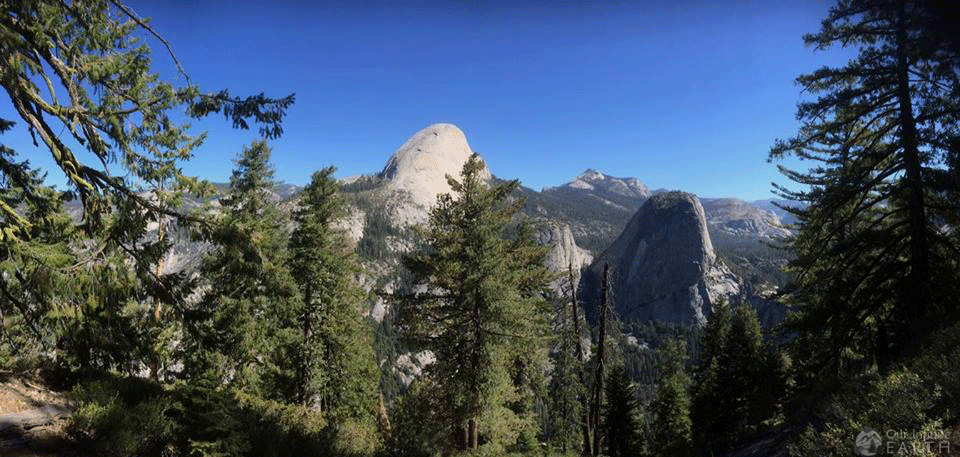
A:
[585,406]
[914,306]
[306,359]
[473,425]
[598,380]
[474,433]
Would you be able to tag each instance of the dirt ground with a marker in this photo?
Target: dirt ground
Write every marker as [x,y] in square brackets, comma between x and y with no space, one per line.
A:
[22,393]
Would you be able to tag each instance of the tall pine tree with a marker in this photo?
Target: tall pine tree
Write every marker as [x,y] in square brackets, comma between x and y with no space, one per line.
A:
[247,320]
[743,377]
[568,394]
[337,371]
[621,419]
[671,434]
[480,308]
[711,412]
[875,272]
[739,381]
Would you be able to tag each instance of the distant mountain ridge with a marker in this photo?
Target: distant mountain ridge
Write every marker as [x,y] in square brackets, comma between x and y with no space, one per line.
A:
[737,217]
[596,180]
[580,219]
[672,255]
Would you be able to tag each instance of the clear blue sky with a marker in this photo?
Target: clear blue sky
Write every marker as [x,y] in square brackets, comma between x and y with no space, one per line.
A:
[683,95]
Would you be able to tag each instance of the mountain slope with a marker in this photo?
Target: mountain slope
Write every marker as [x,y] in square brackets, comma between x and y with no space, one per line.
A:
[663,266]
[737,217]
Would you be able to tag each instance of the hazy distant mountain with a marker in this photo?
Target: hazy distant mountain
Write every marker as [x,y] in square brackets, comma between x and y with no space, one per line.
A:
[601,183]
[597,207]
[285,191]
[771,204]
[737,217]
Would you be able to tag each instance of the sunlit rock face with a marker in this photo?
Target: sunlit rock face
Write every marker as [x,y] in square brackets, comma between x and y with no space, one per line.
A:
[737,217]
[663,266]
[592,179]
[417,172]
[564,253]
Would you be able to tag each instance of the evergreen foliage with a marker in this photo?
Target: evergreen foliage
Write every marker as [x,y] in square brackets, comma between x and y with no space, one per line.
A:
[99,90]
[480,308]
[415,423]
[742,374]
[739,381]
[671,433]
[621,420]
[245,325]
[567,391]
[79,78]
[333,344]
[96,73]
[875,274]
[123,416]
[713,417]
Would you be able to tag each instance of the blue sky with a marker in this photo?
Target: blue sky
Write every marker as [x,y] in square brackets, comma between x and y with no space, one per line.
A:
[683,95]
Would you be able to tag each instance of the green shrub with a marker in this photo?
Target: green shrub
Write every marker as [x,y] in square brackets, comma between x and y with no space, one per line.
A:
[122,417]
[109,422]
[907,400]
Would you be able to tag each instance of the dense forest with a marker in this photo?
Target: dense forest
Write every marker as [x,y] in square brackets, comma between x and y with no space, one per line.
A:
[264,348]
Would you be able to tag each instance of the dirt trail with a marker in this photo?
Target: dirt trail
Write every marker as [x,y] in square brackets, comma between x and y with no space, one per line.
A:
[32,418]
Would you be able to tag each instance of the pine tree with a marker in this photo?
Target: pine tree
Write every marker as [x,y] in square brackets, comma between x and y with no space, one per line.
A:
[481,310]
[81,70]
[337,370]
[246,323]
[671,434]
[33,283]
[739,381]
[711,412]
[621,421]
[874,274]
[109,101]
[568,393]
[742,377]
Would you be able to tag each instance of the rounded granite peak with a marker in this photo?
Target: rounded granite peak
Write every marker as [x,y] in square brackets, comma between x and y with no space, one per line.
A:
[679,210]
[663,265]
[420,166]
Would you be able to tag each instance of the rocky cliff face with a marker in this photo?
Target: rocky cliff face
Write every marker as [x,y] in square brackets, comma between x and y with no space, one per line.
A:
[663,266]
[563,253]
[416,172]
[737,217]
